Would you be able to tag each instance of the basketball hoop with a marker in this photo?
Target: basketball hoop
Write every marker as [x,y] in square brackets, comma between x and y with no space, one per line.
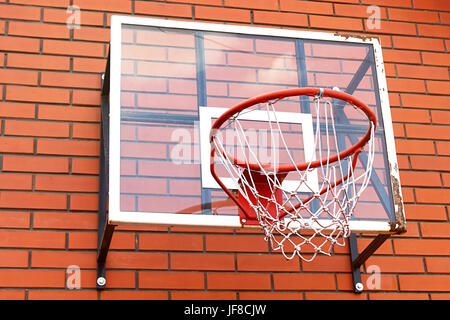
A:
[314,215]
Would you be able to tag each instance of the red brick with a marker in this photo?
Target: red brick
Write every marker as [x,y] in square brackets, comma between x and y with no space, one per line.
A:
[86,131]
[32,278]
[84,114]
[105,5]
[135,295]
[20,44]
[425,212]
[61,295]
[89,65]
[72,48]
[430,163]
[437,59]
[13,259]
[327,264]
[19,76]
[398,296]
[413,15]
[11,181]
[438,87]
[425,101]
[45,3]
[238,281]
[438,265]
[443,148]
[35,164]
[429,247]
[433,30]
[247,262]
[64,220]
[207,262]
[433,195]
[84,202]
[222,14]
[388,3]
[445,17]
[17,110]
[36,128]
[14,219]
[163,9]
[16,145]
[405,85]
[422,72]
[203,295]
[62,259]
[304,281]
[426,283]
[171,280]
[170,242]
[34,94]
[241,243]
[70,80]
[432,5]
[39,30]
[414,147]
[86,97]
[336,23]
[20,200]
[9,294]
[256,4]
[435,230]
[418,43]
[32,61]
[440,117]
[334,296]
[410,115]
[427,131]
[420,179]
[137,260]
[32,239]
[25,13]
[85,166]
[280,18]
[401,56]
[67,147]
[92,34]
[307,7]
[396,264]
[66,183]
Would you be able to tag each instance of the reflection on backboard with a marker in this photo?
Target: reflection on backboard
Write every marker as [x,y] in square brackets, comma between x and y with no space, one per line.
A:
[170,80]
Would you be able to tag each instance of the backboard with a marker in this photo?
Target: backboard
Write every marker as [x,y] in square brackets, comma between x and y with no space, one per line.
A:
[170,80]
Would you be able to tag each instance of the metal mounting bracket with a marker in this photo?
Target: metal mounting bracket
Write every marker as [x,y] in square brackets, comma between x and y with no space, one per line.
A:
[105,230]
[357,260]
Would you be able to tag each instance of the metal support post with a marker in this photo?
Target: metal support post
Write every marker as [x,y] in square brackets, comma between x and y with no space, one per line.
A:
[357,260]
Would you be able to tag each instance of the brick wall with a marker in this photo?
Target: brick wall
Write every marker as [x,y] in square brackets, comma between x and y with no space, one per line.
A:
[49,141]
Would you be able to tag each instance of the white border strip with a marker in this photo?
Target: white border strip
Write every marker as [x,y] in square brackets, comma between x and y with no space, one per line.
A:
[208,113]
[117,217]
[231,221]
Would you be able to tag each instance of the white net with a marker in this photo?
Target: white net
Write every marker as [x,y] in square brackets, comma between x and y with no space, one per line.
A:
[307,210]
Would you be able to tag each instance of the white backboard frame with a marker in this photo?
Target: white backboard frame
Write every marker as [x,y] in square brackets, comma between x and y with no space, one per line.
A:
[116,216]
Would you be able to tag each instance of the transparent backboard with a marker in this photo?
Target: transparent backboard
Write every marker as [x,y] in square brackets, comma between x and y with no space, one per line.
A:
[170,80]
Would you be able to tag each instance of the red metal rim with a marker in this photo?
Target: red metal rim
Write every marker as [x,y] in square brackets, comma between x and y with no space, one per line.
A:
[312,92]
